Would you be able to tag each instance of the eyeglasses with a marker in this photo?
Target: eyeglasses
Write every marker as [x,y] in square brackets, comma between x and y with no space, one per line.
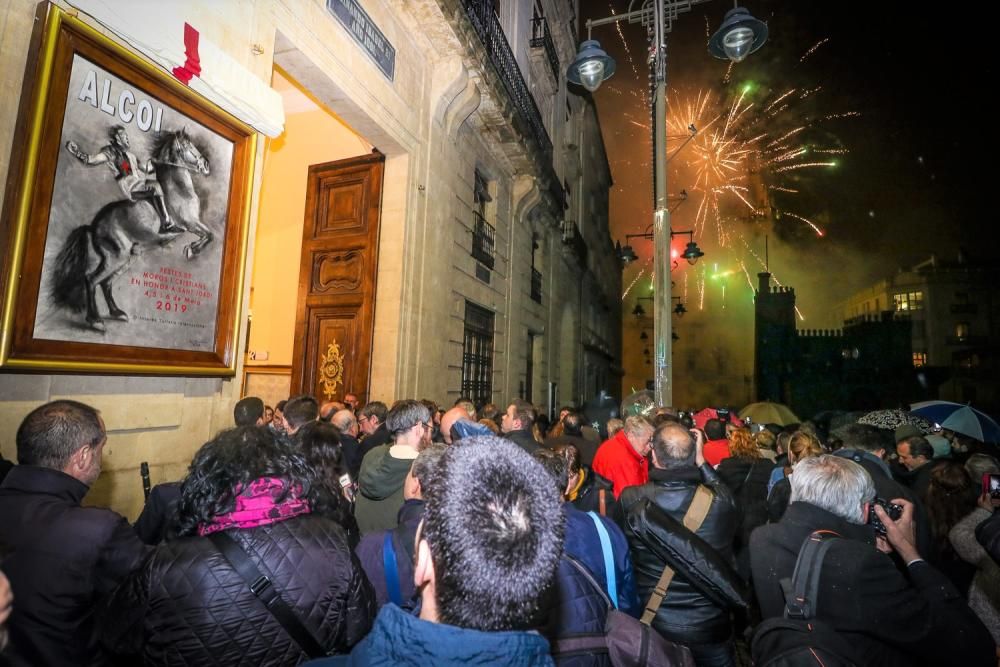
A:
[428,425]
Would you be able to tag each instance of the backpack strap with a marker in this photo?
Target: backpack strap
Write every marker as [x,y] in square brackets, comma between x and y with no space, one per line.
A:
[609,559]
[391,570]
[693,518]
[801,604]
[263,589]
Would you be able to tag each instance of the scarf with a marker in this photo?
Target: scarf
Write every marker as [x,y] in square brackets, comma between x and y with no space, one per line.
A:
[258,504]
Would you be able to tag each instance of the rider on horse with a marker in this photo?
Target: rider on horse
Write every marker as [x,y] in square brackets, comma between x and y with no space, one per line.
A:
[137,180]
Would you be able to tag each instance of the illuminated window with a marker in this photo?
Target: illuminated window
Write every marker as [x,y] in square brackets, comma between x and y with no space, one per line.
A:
[906,301]
[962,330]
[919,359]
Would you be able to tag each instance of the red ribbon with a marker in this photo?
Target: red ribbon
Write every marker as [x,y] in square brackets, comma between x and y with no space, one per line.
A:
[191,66]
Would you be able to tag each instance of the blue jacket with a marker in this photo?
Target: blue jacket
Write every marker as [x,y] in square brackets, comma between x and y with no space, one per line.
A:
[576,608]
[401,639]
[582,542]
[370,552]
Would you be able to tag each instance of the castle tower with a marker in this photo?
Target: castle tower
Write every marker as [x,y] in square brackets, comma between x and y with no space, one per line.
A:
[774,340]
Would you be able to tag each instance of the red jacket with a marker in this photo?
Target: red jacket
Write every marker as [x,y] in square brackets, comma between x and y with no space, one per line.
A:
[715,451]
[618,461]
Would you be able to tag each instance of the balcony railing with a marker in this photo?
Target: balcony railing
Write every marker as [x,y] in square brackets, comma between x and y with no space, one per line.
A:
[536,285]
[483,243]
[573,239]
[541,37]
[491,34]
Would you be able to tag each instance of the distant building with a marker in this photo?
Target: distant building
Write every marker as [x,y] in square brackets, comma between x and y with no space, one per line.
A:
[865,365]
[954,327]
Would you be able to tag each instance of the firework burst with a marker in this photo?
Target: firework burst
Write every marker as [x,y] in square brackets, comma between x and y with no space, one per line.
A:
[738,152]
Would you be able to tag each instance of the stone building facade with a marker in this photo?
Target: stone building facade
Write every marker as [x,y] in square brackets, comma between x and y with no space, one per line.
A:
[496,273]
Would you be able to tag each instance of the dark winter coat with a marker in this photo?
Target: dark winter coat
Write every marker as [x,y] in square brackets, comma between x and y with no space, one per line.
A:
[588,497]
[587,448]
[187,605]
[158,512]
[747,480]
[576,607]
[353,454]
[370,552]
[706,585]
[399,639]
[379,437]
[61,560]
[524,439]
[988,535]
[863,596]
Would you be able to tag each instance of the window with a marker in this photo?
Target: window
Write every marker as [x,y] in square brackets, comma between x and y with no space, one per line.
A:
[477,354]
[919,359]
[536,275]
[483,233]
[962,330]
[906,301]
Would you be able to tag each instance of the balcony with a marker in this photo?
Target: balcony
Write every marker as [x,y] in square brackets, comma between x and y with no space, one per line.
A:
[487,26]
[536,285]
[573,240]
[483,241]
[542,38]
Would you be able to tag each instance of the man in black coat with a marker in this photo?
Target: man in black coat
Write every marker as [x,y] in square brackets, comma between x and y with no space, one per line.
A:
[572,434]
[695,611]
[888,618]
[865,445]
[371,421]
[516,425]
[62,557]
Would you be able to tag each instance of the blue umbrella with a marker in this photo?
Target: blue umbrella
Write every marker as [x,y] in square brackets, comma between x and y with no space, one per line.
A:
[960,418]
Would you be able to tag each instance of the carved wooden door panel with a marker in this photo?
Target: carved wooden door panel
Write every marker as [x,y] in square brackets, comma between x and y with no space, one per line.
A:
[336,303]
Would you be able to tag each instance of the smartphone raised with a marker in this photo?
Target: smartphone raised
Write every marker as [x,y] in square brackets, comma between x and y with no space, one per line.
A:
[991,484]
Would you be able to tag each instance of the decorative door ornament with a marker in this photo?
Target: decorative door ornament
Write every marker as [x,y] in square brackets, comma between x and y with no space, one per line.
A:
[331,370]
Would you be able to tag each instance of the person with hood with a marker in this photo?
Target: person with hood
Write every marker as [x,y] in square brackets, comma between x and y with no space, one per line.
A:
[384,469]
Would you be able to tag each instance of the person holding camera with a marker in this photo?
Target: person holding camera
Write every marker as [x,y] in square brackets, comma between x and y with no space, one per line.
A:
[887,618]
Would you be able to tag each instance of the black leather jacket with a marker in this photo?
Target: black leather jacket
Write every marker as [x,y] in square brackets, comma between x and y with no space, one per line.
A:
[187,606]
[706,585]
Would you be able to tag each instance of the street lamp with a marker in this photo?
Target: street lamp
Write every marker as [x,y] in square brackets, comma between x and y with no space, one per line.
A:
[692,253]
[739,36]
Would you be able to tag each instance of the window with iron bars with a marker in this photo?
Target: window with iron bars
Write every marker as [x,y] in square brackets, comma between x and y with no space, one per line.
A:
[477,354]
[483,233]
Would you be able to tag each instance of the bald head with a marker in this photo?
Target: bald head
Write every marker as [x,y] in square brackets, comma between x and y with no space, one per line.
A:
[449,419]
[673,446]
[345,422]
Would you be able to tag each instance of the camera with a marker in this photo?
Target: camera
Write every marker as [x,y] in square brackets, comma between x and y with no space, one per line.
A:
[893,510]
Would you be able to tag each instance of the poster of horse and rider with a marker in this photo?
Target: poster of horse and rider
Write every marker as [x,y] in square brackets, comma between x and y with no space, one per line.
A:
[140,227]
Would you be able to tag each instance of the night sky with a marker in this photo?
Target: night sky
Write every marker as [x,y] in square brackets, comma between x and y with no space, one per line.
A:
[913,179]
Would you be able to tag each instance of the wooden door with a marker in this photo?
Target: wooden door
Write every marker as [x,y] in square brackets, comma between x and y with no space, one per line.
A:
[335,316]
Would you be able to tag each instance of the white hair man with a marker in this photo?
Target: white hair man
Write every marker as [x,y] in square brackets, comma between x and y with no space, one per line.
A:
[886,617]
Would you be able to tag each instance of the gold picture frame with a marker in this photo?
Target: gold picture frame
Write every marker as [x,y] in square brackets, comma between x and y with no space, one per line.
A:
[126,215]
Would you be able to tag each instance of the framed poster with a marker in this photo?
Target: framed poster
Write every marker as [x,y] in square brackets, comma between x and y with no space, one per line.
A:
[126,215]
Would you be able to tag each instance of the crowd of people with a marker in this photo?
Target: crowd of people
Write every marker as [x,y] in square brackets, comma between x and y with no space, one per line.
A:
[415,534]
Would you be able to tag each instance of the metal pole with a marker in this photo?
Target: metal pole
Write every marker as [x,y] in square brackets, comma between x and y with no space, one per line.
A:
[662,324]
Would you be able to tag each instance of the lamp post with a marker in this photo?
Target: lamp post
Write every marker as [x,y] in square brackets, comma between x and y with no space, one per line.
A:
[739,36]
